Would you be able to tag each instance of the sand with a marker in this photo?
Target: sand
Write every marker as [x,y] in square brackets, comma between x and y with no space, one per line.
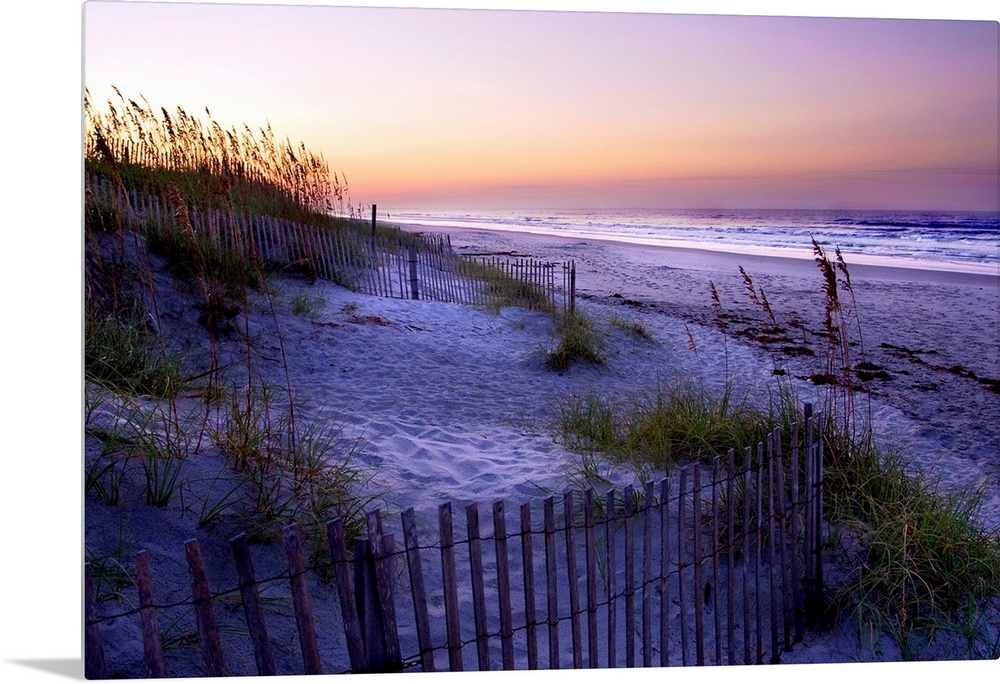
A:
[936,333]
[447,402]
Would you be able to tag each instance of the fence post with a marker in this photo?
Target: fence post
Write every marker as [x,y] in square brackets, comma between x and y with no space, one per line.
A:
[591,555]
[346,594]
[252,607]
[629,579]
[572,287]
[418,590]
[647,574]
[609,544]
[808,513]
[414,285]
[301,602]
[208,632]
[528,574]
[368,609]
[551,582]
[818,470]
[503,585]
[151,636]
[450,581]
[95,665]
[478,590]
[382,552]
[373,227]
[572,574]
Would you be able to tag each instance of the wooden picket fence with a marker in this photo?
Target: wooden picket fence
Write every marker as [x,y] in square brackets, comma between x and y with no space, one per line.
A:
[384,263]
[714,564]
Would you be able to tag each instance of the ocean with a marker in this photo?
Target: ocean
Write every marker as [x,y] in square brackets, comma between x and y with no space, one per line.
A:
[954,241]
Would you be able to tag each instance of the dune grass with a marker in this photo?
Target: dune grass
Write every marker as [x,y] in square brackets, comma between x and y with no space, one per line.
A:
[120,353]
[500,289]
[241,167]
[663,427]
[634,327]
[917,561]
[577,339]
[283,467]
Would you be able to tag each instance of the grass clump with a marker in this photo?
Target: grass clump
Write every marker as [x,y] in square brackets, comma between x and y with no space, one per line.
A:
[634,327]
[195,258]
[294,470]
[500,289]
[920,563]
[120,354]
[663,427]
[577,340]
[307,305]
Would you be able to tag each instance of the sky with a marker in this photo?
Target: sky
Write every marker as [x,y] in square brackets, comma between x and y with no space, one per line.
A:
[479,109]
[466,109]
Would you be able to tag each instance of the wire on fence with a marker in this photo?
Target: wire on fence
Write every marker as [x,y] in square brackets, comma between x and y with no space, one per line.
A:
[703,544]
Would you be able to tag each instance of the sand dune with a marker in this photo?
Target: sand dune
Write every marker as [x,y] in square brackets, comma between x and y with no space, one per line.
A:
[449,402]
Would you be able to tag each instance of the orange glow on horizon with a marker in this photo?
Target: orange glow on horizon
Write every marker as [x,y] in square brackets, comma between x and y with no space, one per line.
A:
[473,108]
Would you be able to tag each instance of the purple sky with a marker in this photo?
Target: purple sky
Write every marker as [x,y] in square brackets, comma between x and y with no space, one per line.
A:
[492,109]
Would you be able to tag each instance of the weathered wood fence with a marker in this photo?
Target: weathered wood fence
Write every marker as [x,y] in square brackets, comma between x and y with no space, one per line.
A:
[716,563]
[385,264]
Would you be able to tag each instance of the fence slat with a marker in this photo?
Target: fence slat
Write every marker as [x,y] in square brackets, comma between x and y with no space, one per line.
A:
[450,581]
[528,574]
[730,558]
[681,493]
[664,572]
[208,631]
[647,576]
[796,531]
[590,540]
[772,551]
[716,589]
[609,545]
[551,582]
[418,590]
[95,663]
[629,578]
[572,577]
[699,604]
[747,465]
[345,592]
[758,529]
[252,607]
[414,281]
[152,644]
[786,585]
[810,508]
[503,585]
[301,602]
[382,551]
[385,577]
[818,540]
[478,593]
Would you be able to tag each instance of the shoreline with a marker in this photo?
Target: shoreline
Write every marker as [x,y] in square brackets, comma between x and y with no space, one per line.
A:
[887,268]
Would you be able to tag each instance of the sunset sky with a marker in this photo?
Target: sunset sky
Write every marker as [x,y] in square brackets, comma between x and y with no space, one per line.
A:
[474,109]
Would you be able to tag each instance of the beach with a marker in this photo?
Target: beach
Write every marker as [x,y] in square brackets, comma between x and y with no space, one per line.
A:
[936,333]
[445,402]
